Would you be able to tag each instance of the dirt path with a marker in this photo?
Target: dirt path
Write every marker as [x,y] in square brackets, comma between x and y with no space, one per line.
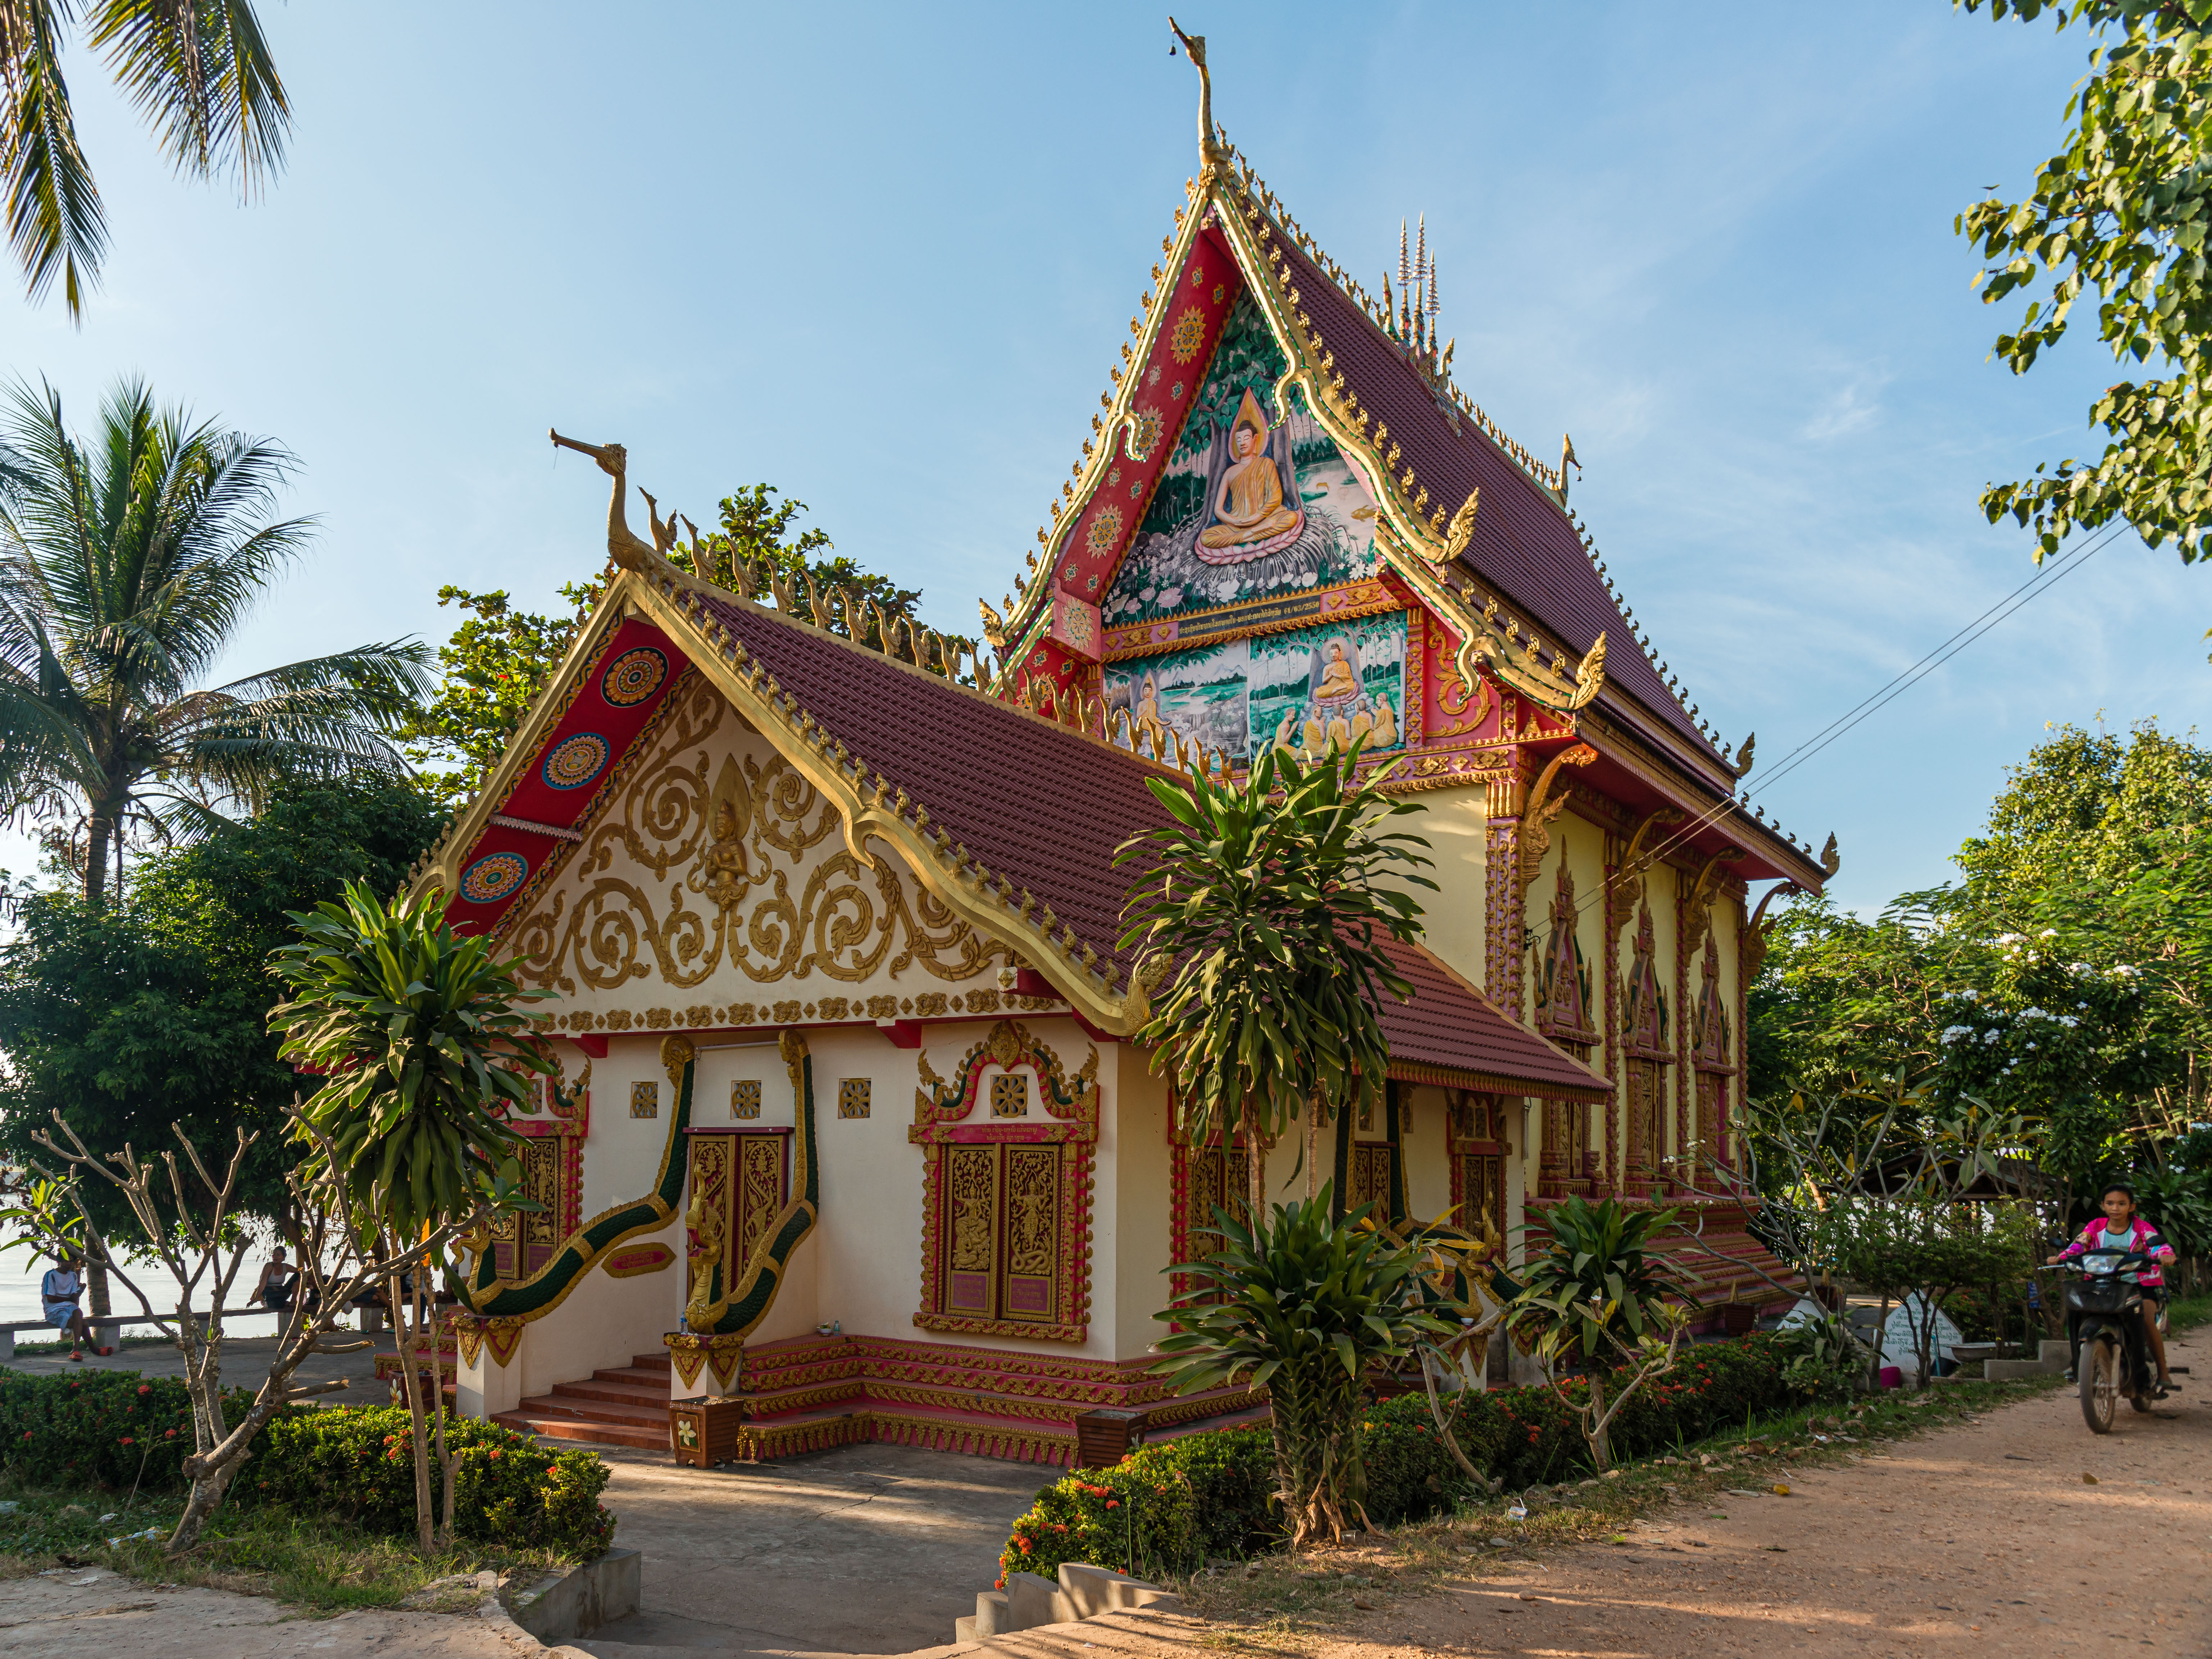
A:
[1983,1536]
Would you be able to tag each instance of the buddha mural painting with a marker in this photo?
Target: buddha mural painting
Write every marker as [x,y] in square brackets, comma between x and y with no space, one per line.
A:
[1148,712]
[1336,678]
[1248,517]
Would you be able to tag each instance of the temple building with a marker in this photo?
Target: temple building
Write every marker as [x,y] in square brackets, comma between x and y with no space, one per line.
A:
[851,1116]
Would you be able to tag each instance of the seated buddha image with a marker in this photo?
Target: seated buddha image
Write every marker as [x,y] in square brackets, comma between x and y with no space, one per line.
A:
[1148,712]
[1339,710]
[1249,518]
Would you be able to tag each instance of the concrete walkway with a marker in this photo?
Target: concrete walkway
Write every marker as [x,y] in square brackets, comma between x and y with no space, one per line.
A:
[866,1549]
[70,1613]
[245,1365]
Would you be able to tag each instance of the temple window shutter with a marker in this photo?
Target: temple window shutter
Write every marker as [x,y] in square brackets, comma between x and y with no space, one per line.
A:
[1370,1176]
[1002,1233]
[523,1242]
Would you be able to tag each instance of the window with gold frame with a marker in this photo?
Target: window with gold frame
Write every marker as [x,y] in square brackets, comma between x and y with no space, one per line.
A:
[1000,1232]
[524,1241]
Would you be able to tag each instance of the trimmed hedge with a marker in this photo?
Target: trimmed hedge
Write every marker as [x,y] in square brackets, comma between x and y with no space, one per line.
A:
[358,1464]
[100,1428]
[111,1429]
[1168,1508]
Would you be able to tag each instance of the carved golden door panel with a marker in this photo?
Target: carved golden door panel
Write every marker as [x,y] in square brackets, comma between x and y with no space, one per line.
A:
[1001,1233]
[1370,1176]
[737,1188]
[1218,1180]
[1647,1099]
[1712,1113]
[522,1242]
[1482,1179]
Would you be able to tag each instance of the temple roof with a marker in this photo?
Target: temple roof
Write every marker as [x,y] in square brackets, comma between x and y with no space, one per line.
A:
[1011,819]
[1523,544]
[1473,524]
[1044,809]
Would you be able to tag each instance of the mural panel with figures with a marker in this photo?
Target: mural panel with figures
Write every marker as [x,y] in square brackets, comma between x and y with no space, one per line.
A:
[1251,506]
[1300,689]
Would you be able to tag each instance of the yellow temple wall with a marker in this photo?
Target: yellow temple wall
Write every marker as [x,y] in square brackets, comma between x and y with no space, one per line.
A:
[1133,1223]
[1455,825]
[712,888]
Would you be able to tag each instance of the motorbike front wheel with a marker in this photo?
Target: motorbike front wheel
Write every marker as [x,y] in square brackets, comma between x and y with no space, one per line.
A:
[2100,1383]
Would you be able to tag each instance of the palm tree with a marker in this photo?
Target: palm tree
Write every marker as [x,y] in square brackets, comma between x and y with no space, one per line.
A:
[128,560]
[202,77]
[1266,897]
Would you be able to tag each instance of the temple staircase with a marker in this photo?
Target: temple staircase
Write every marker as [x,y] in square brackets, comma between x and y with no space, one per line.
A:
[619,1405]
[810,1393]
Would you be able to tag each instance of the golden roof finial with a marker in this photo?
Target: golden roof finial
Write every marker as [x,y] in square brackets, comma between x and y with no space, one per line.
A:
[1209,145]
[1404,263]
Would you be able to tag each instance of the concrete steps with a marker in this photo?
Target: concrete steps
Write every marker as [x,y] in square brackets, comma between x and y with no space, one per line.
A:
[618,1405]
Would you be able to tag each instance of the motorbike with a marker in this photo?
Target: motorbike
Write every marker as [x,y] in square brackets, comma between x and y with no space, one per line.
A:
[2104,1327]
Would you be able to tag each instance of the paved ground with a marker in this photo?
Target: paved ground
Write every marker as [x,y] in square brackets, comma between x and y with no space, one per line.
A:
[866,1549]
[1983,1535]
[71,1613]
[245,1365]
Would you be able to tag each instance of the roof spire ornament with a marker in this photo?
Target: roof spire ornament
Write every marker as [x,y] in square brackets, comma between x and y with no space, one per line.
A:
[1209,143]
[1405,265]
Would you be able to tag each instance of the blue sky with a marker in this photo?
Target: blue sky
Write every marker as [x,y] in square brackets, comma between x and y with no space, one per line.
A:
[881,257]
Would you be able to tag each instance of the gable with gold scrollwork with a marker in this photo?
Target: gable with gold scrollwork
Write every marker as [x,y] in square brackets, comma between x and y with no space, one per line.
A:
[714,887]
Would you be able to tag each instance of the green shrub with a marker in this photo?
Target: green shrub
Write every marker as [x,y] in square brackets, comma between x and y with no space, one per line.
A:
[358,1466]
[1167,1508]
[113,1429]
[100,1428]
[1164,1508]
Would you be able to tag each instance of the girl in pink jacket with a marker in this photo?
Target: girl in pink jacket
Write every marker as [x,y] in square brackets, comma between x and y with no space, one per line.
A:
[2122,1229]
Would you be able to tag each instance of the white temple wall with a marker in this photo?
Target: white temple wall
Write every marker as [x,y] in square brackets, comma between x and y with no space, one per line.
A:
[1134,1225]
[1456,826]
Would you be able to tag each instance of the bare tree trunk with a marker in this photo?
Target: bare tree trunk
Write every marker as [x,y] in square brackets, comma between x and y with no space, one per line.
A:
[1257,1148]
[95,862]
[1313,1147]
[419,1429]
[1601,1433]
[447,1469]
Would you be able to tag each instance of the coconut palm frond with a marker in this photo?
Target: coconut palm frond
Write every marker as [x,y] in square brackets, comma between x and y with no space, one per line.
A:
[200,73]
[128,562]
[56,227]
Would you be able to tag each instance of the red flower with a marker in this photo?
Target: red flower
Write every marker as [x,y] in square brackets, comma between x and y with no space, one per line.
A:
[1113,1502]
[124,1441]
[172,1434]
[145,1388]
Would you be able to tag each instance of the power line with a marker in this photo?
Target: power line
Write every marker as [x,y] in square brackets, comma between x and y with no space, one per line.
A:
[1884,695]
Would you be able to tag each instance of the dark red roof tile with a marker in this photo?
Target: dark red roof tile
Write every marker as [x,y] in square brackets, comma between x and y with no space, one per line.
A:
[1046,809]
[1523,545]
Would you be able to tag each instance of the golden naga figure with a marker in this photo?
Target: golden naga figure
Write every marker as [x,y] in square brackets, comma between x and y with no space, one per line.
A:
[1249,516]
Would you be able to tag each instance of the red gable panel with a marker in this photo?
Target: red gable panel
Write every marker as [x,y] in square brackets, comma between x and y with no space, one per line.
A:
[1524,545]
[585,754]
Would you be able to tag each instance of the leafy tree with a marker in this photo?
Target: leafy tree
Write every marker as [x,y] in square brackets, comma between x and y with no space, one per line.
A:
[1598,1292]
[1301,1306]
[128,562]
[756,536]
[499,656]
[201,76]
[2062,982]
[152,1010]
[492,668]
[423,1050]
[1272,912]
[2121,212]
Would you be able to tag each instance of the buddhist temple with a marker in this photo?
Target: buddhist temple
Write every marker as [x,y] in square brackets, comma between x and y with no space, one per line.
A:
[851,1121]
